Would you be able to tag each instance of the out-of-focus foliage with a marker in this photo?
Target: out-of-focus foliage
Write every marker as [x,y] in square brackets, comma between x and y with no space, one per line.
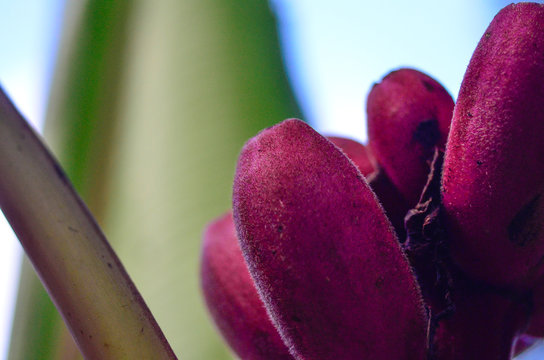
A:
[150,105]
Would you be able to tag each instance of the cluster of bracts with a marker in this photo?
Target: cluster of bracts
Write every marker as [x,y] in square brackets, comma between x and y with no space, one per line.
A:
[428,243]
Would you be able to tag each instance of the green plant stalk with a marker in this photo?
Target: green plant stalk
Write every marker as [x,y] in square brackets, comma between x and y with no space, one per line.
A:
[101,306]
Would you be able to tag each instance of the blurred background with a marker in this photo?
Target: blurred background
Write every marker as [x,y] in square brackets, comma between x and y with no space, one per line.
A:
[146,104]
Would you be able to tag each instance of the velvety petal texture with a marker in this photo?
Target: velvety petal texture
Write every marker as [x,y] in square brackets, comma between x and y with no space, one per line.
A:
[408,114]
[356,152]
[232,298]
[322,252]
[493,176]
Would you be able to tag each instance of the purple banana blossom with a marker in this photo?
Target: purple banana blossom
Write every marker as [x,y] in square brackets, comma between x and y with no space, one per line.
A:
[427,244]
[321,251]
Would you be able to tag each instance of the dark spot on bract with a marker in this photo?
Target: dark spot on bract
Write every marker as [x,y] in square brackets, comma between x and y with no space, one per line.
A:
[109,265]
[428,85]
[296,319]
[479,162]
[379,282]
[280,228]
[427,133]
[525,226]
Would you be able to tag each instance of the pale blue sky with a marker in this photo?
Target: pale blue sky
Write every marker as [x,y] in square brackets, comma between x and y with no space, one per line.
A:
[334,52]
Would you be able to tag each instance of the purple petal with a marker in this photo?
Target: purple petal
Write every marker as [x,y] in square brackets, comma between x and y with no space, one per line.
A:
[493,177]
[321,251]
[409,114]
[232,298]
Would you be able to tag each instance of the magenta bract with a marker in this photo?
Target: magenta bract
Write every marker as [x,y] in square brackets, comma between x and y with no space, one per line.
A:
[321,251]
[409,114]
[493,175]
[232,298]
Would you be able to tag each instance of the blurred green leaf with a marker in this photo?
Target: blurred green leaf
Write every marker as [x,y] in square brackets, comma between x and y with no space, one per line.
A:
[150,105]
